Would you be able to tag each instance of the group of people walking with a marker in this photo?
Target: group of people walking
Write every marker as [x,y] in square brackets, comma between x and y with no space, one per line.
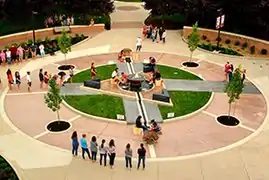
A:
[228,72]
[105,151]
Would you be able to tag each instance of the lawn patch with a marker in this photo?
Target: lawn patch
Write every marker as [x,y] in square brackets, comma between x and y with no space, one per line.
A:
[185,102]
[97,105]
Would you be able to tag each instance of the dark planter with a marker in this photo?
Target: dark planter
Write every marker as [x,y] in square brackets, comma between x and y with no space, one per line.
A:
[190,64]
[107,26]
[228,120]
[61,73]
[58,126]
[65,67]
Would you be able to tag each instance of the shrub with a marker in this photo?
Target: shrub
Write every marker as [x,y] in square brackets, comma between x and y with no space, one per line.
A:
[264,51]
[47,39]
[30,41]
[244,45]
[38,41]
[237,43]
[227,41]
[204,37]
[252,50]
[15,44]
[82,37]
[175,21]
[210,47]
[218,39]
[7,47]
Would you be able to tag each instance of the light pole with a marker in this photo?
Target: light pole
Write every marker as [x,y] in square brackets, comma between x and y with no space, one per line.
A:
[219,25]
[33,20]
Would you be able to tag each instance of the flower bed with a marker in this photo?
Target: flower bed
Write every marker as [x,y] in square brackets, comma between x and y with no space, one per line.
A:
[222,50]
[6,171]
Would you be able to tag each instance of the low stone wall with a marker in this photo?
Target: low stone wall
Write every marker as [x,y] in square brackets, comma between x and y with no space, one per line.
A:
[213,34]
[48,32]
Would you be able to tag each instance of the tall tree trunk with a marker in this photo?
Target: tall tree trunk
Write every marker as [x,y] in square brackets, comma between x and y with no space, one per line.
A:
[191,56]
[58,115]
[229,111]
[65,59]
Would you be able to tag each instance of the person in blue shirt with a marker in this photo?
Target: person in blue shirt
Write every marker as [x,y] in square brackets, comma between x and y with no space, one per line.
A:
[75,143]
[84,146]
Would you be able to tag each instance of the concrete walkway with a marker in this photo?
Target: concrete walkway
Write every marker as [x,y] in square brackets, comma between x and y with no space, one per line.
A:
[209,86]
[244,160]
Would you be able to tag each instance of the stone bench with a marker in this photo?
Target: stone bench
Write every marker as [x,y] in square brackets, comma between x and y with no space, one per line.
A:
[60,29]
[93,83]
[164,96]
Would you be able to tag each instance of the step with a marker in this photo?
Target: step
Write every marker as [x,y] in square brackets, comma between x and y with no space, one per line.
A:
[131,110]
[153,112]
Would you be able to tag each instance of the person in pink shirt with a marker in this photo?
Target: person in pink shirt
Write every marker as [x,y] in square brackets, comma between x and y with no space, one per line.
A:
[3,56]
[20,53]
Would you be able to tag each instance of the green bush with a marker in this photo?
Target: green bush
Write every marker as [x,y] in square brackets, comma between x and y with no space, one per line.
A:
[175,21]
[210,47]
[244,45]
[30,41]
[264,51]
[222,50]
[252,50]
[204,37]
[227,41]
[237,43]
[38,41]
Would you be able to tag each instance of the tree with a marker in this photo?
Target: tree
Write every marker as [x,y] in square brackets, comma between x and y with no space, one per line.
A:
[193,39]
[234,88]
[53,98]
[93,7]
[64,43]
[164,7]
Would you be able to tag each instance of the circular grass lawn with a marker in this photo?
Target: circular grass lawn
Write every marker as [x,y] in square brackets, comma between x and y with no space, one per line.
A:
[184,102]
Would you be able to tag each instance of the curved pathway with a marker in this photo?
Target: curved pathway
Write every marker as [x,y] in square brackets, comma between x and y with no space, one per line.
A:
[246,159]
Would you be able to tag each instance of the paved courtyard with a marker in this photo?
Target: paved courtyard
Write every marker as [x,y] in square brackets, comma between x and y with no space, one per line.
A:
[194,148]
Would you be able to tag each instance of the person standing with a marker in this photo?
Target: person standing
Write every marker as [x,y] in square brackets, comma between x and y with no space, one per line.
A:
[42,50]
[84,146]
[164,36]
[29,81]
[18,79]
[161,33]
[8,56]
[75,143]
[138,44]
[94,148]
[154,34]
[10,79]
[111,153]
[227,68]
[33,50]
[128,156]
[46,78]
[93,71]
[141,156]
[26,52]
[13,50]
[243,76]
[41,78]
[103,152]
[20,53]
[71,74]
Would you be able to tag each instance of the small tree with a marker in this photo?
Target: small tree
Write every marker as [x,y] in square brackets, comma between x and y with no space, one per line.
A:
[194,39]
[64,43]
[234,88]
[53,98]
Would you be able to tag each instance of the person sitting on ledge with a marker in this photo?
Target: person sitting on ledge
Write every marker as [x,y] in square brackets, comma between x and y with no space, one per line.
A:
[152,63]
[156,76]
[120,56]
[115,76]
[154,126]
[138,124]
[124,78]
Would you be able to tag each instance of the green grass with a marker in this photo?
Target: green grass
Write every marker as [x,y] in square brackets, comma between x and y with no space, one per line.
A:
[185,102]
[97,105]
[103,72]
[168,72]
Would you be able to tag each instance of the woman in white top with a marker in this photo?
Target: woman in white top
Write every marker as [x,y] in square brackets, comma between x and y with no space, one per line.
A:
[42,50]
[29,81]
[103,152]
[111,153]
[8,56]
[138,44]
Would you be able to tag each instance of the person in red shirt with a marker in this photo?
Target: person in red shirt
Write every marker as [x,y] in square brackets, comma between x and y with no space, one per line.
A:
[124,78]
[227,68]
[10,79]
[13,50]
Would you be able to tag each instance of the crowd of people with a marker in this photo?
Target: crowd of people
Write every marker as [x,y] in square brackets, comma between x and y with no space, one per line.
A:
[43,76]
[228,72]
[59,20]
[20,53]
[106,150]
[156,34]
